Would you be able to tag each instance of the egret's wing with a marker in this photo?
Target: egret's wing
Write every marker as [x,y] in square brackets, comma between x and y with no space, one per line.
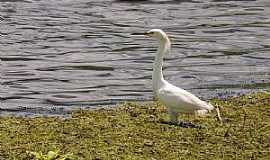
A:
[182,99]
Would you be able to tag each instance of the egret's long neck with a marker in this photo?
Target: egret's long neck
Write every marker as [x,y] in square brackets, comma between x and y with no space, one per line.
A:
[157,77]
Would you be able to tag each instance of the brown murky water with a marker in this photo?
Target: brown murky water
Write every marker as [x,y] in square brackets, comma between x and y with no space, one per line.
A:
[61,55]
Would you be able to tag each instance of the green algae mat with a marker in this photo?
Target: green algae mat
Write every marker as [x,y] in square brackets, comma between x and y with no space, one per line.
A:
[135,131]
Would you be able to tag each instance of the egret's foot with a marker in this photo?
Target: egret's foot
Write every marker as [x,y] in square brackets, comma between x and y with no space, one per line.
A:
[184,124]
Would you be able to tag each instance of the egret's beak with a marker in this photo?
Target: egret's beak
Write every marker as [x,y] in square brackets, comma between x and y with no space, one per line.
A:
[139,34]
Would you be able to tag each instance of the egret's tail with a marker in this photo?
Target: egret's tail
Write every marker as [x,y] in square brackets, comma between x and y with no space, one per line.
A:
[210,106]
[207,108]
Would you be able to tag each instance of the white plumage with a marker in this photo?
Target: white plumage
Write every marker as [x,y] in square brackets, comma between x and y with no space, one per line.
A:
[177,100]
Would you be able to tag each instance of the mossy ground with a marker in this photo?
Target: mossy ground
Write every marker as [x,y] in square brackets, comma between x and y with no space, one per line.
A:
[135,131]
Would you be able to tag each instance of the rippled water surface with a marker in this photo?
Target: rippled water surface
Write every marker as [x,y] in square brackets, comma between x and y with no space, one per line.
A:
[58,55]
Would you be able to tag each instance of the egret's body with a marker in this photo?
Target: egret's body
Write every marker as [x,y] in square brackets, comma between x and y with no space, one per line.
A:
[177,100]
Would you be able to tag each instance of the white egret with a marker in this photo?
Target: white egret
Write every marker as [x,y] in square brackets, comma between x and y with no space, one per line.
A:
[177,100]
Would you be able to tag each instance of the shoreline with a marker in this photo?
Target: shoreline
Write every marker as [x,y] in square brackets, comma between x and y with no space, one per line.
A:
[51,110]
[135,131]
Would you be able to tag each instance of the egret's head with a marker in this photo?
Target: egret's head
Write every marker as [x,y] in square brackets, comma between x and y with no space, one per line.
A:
[155,33]
[160,36]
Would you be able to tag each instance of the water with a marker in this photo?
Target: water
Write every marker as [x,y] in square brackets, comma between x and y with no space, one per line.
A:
[57,56]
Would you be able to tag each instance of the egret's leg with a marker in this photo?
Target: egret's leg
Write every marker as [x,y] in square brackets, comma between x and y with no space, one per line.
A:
[173,116]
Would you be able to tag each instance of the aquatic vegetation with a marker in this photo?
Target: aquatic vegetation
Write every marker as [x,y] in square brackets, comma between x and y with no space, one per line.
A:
[51,155]
[136,131]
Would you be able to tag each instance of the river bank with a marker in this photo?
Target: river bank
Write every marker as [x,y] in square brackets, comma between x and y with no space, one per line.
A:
[136,131]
